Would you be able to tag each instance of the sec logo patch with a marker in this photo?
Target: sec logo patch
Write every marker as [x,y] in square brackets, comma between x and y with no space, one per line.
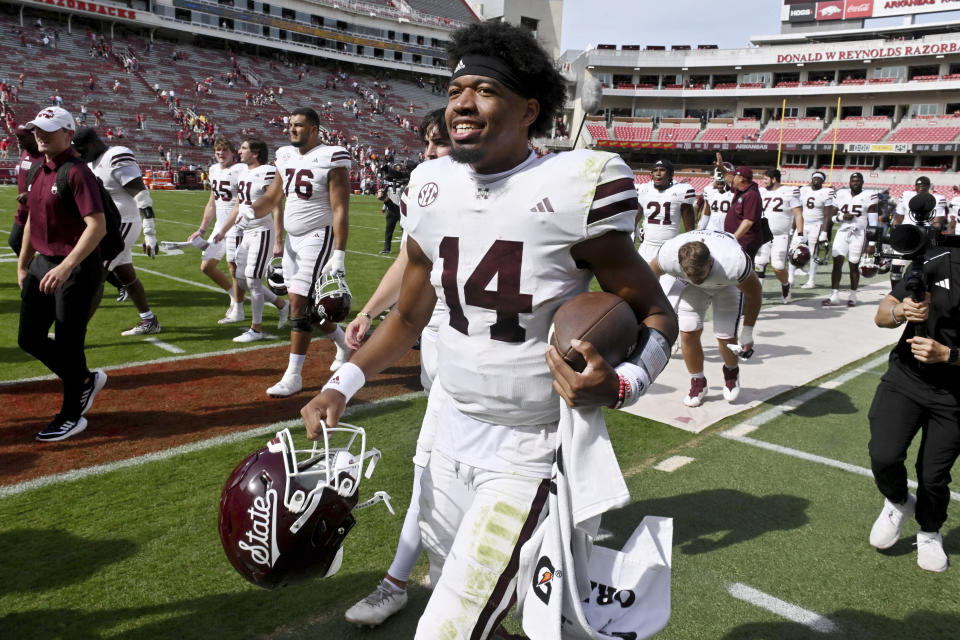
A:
[428,193]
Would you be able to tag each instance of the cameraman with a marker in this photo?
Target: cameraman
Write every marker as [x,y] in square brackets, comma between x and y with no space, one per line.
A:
[389,194]
[919,391]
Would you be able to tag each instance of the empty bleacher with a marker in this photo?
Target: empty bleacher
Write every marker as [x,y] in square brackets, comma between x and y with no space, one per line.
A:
[677,130]
[795,130]
[858,129]
[926,130]
[728,129]
[632,129]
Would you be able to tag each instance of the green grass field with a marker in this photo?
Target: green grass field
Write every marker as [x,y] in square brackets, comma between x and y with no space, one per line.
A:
[134,552]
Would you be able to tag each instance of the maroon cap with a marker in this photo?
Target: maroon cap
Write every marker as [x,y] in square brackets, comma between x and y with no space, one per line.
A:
[746,172]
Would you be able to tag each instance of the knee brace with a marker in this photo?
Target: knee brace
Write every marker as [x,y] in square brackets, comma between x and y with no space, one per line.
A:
[301,324]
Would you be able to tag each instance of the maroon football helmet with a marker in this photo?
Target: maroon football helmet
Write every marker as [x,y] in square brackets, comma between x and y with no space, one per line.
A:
[331,298]
[822,252]
[800,256]
[868,267]
[284,512]
[275,281]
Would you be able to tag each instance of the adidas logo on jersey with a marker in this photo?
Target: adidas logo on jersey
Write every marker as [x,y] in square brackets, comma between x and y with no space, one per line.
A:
[542,206]
[945,283]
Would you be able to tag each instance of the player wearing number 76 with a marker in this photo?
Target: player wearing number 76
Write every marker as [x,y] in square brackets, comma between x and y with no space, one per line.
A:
[504,238]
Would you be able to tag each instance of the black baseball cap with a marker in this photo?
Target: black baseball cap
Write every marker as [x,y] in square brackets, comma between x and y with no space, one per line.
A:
[924,180]
[666,164]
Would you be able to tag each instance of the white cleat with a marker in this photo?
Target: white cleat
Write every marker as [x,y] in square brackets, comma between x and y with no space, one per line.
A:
[343,355]
[852,300]
[284,316]
[809,284]
[886,528]
[289,384]
[832,301]
[377,607]
[234,314]
[249,336]
[930,554]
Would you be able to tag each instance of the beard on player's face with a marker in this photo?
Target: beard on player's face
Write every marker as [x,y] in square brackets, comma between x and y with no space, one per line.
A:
[466,156]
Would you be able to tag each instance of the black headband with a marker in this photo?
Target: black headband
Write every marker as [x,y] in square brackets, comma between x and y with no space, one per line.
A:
[489,67]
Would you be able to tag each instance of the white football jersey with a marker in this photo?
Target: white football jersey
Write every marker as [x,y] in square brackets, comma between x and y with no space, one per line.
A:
[855,205]
[223,185]
[252,184]
[660,210]
[718,203]
[731,265]
[903,209]
[814,201]
[778,206]
[116,167]
[500,247]
[954,207]
[304,178]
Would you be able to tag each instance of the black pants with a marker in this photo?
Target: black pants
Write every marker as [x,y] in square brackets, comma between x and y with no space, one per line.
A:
[68,310]
[393,217]
[902,407]
[16,237]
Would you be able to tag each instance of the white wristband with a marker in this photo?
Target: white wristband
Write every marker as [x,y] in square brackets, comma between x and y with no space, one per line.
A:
[746,335]
[347,380]
[637,379]
[646,363]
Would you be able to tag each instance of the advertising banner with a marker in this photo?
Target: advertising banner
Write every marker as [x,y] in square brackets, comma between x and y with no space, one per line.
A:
[803,12]
[832,10]
[865,147]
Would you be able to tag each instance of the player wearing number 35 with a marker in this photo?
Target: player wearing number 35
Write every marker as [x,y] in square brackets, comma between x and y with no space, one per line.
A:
[503,238]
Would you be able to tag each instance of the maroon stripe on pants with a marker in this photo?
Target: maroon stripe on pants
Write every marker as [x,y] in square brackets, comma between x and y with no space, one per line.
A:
[500,590]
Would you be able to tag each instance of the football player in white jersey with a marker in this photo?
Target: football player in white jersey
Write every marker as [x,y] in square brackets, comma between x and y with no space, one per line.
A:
[953,210]
[541,228]
[117,168]
[784,214]
[713,203]
[856,210]
[390,596]
[257,244]
[662,205]
[905,216]
[818,212]
[223,192]
[315,180]
[715,271]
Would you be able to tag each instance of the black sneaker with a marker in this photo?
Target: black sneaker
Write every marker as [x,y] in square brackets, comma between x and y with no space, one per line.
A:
[98,378]
[60,429]
[385,252]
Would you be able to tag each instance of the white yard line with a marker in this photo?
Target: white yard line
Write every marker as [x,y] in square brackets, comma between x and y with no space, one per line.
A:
[792,612]
[387,256]
[101,469]
[202,285]
[166,346]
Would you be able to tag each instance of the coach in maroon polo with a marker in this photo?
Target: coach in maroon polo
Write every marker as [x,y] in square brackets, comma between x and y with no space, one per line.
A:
[59,270]
[746,209]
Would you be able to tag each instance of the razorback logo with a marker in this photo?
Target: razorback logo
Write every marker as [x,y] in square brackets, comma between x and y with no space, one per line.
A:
[428,194]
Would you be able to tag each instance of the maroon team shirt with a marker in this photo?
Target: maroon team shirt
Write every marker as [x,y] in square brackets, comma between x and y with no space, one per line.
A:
[54,226]
[26,161]
[746,205]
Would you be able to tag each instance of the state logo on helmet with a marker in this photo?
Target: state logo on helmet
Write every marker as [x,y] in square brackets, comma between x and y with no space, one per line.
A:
[884,265]
[331,298]
[868,267]
[800,256]
[275,280]
[284,512]
[822,252]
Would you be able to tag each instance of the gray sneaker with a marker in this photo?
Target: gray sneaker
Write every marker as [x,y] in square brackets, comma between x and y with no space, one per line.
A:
[144,327]
[377,607]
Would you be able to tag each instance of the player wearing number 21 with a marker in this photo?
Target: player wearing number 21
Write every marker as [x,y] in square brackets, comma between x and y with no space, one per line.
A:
[504,238]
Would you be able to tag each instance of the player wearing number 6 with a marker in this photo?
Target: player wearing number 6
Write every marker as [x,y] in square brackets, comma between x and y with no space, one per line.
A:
[856,209]
[503,238]
[315,181]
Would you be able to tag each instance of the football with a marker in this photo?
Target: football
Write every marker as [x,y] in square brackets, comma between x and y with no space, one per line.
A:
[603,319]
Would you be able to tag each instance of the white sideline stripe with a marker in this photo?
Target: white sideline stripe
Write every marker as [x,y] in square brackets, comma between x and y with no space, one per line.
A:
[209,287]
[390,256]
[185,224]
[101,469]
[192,356]
[166,346]
[673,463]
[784,609]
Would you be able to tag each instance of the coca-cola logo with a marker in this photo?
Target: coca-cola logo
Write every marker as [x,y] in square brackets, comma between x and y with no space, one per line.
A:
[262,535]
[858,9]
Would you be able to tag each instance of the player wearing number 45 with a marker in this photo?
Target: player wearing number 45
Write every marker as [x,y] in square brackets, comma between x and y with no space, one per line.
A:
[713,269]
[856,209]
[504,238]
[258,244]
[315,181]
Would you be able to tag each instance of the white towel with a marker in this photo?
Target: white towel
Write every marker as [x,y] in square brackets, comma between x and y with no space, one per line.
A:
[567,588]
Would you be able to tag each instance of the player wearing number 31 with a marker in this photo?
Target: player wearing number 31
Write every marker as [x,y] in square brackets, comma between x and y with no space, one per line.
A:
[504,238]
[315,181]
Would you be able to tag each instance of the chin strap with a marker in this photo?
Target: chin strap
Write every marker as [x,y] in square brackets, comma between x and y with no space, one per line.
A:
[379,496]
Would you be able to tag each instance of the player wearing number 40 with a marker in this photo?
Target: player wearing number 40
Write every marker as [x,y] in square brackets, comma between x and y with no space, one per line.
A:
[503,238]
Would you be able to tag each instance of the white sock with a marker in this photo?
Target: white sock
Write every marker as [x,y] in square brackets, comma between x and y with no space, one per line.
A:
[834,292]
[697,375]
[340,339]
[409,546]
[269,296]
[256,299]
[393,587]
[295,364]
[146,315]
